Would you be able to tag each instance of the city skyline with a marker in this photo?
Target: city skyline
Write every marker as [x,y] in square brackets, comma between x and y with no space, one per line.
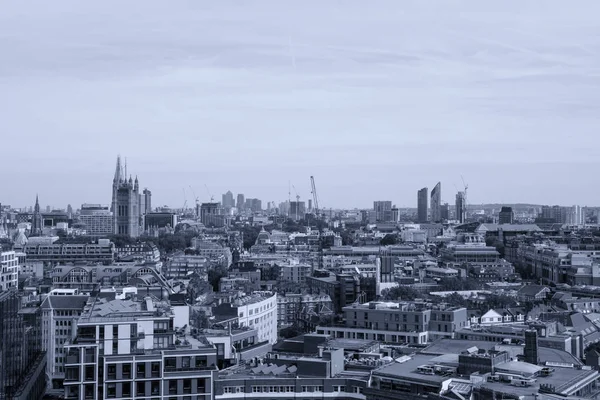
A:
[422,95]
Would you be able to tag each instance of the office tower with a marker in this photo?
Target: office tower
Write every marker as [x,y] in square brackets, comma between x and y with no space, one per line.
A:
[97,219]
[125,203]
[461,207]
[146,202]
[297,210]
[22,361]
[576,216]
[253,204]
[422,199]
[240,201]
[530,351]
[310,206]
[445,212]
[70,210]
[395,214]
[436,203]
[506,215]
[227,200]
[36,219]
[383,210]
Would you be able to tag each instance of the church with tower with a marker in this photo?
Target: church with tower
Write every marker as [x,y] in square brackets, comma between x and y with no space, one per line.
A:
[126,203]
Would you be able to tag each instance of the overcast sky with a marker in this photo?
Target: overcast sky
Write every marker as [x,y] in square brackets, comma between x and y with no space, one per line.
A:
[376,99]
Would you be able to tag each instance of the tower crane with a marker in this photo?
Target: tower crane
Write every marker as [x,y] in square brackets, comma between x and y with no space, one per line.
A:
[184,202]
[212,199]
[314,194]
[466,198]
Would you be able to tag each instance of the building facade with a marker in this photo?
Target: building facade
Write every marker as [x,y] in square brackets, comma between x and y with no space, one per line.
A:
[103,251]
[60,311]
[506,216]
[461,207]
[422,203]
[22,360]
[126,349]
[98,219]
[9,270]
[383,211]
[436,203]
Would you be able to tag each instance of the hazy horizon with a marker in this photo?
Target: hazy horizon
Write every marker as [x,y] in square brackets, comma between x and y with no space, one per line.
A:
[376,100]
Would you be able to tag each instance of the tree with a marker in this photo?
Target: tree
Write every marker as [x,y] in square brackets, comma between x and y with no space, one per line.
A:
[389,239]
[455,299]
[400,293]
[214,276]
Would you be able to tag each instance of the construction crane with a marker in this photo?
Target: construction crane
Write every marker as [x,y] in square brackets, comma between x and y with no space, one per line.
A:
[314,194]
[212,199]
[184,202]
[197,200]
[465,198]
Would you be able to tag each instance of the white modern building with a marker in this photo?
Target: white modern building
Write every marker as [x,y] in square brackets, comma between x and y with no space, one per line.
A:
[259,311]
[9,272]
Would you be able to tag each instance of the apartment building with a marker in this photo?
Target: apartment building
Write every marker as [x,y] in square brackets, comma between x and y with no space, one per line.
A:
[60,311]
[294,272]
[399,322]
[130,349]
[9,270]
[138,252]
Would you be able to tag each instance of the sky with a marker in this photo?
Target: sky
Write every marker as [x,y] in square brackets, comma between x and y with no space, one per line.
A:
[374,99]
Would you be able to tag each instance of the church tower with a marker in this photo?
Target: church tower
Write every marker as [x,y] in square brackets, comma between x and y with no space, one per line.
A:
[36,220]
[125,204]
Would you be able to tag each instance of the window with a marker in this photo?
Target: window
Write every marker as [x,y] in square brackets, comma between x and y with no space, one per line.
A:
[140,389]
[170,363]
[111,390]
[187,386]
[126,389]
[111,371]
[155,369]
[173,387]
[141,370]
[127,371]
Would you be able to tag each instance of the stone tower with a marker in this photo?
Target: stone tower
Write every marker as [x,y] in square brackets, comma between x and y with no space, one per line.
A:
[125,204]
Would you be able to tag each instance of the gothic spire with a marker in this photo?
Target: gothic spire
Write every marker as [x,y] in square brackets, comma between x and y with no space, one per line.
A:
[118,170]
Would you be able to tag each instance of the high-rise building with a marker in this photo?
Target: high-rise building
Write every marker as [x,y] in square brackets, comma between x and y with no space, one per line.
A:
[207,210]
[445,212]
[422,200]
[240,201]
[253,205]
[227,200]
[395,214]
[146,202]
[22,360]
[461,207]
[576,216]
[125,203]
[506,215]
[37,222]
[436,203]
[383,210]
[297,210]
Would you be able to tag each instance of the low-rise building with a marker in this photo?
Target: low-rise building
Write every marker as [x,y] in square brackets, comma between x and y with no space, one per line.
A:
[138,252]
[399,322]
[60,253]
[300,309]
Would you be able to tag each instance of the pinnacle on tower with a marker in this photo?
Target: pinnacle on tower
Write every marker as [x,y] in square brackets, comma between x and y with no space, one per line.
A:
[118,171]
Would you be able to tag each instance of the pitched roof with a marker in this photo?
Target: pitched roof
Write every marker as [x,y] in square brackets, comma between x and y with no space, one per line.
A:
[509,227]
[75,302]
[532,290]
